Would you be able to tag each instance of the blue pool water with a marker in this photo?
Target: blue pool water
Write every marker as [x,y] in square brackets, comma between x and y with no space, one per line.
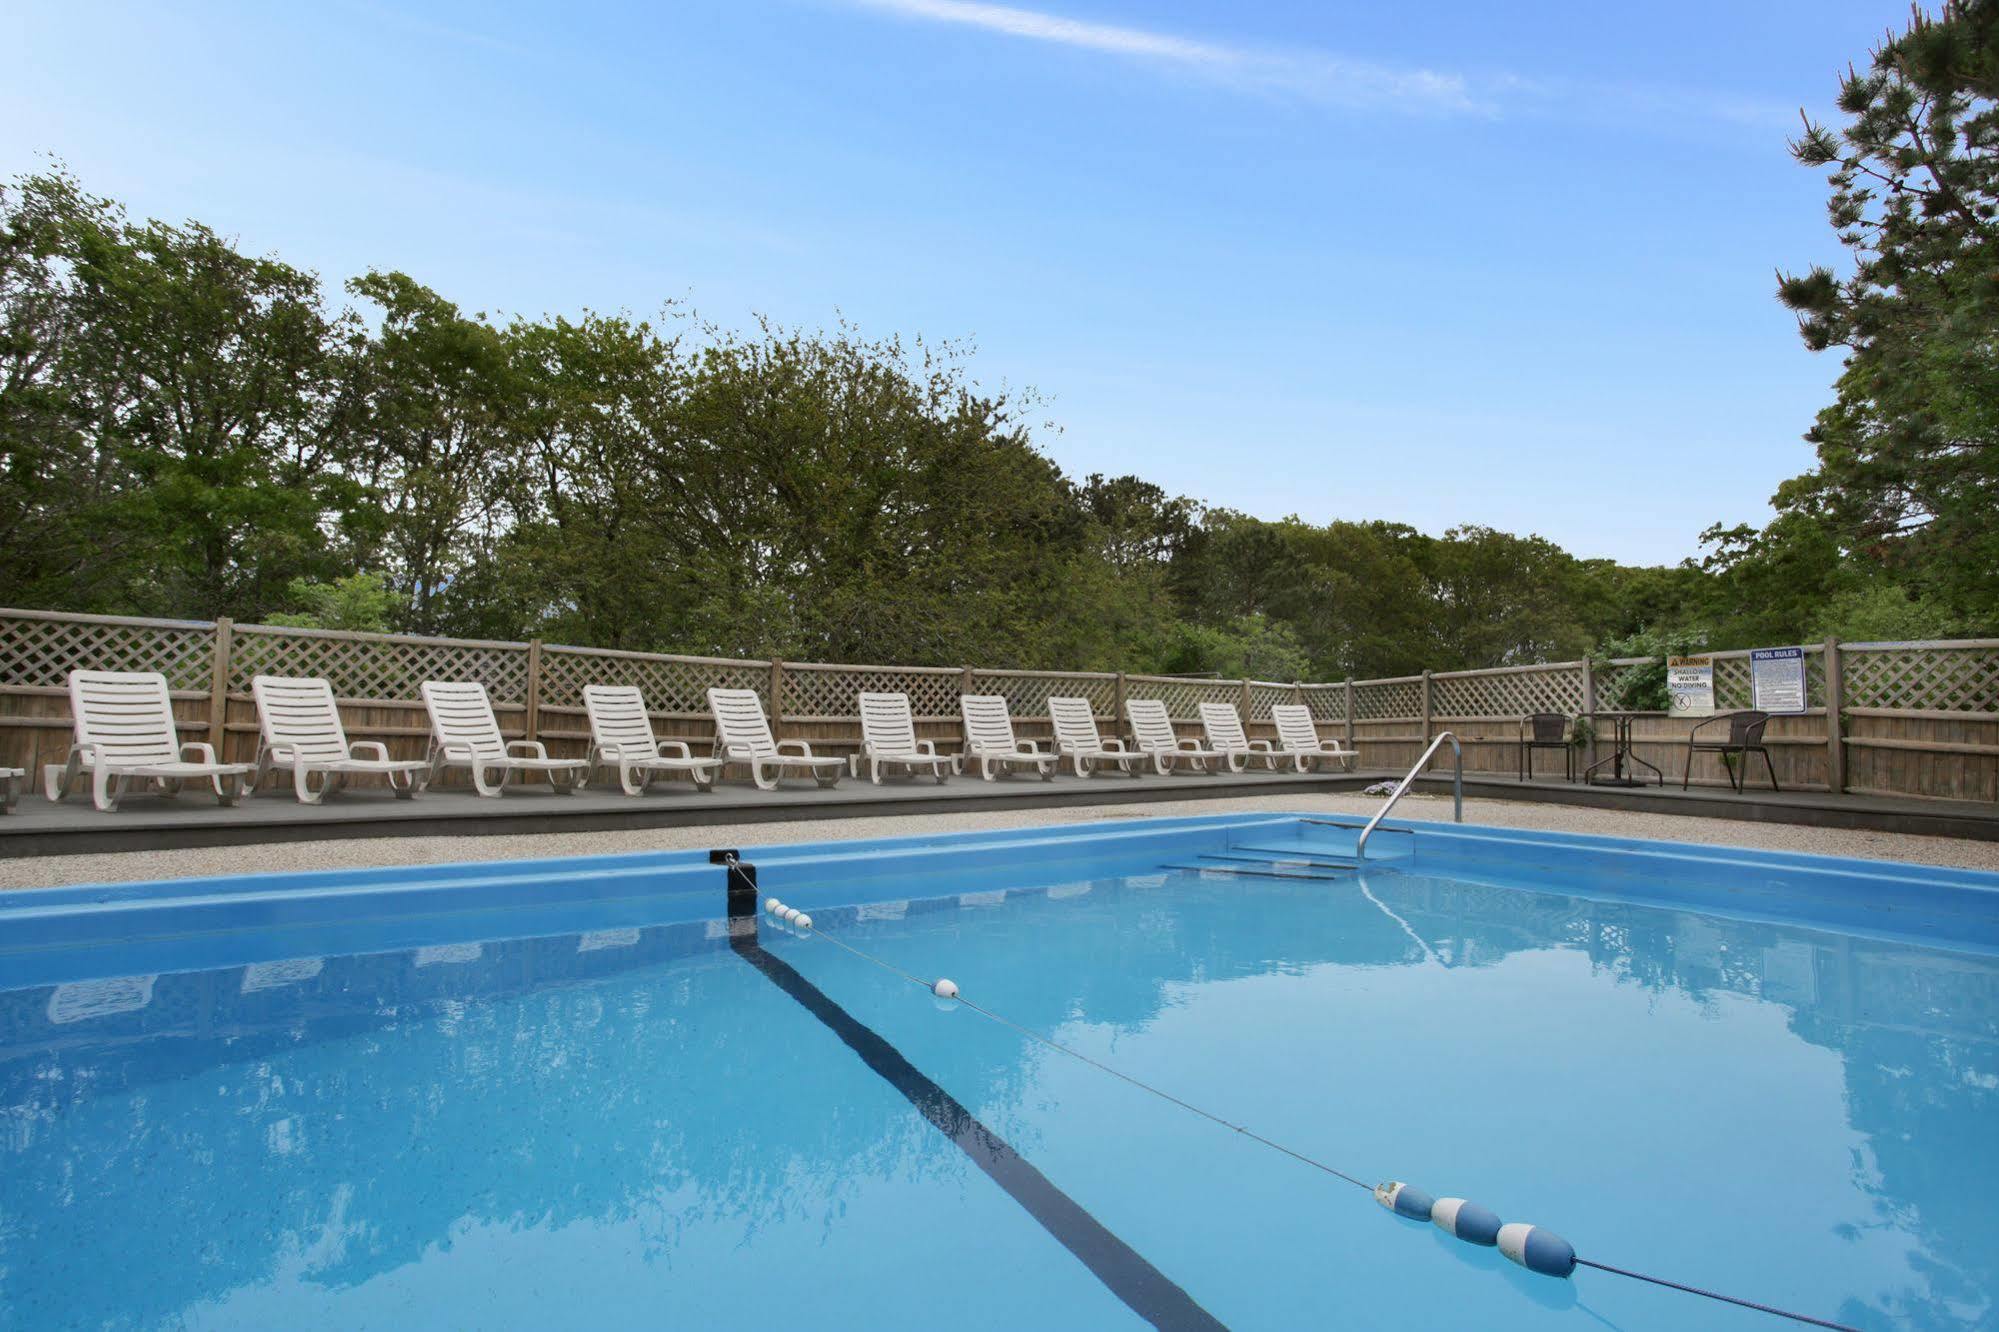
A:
[562,1099]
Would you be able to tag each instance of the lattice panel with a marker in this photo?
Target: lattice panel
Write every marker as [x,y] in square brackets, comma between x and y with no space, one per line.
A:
[1932,679]
[1613,681]
[669,684]
[371,667]
[1263,697]
[1183,698]
[1509,693]
[1732,691]
[835,692]
[1028,695]
[1731,683]
[1389,701]
[44,652]
[1327,702]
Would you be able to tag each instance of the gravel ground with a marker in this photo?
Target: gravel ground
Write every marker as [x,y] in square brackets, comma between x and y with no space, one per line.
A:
[30,872]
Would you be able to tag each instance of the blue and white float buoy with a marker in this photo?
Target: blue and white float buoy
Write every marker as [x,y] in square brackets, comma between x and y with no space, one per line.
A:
[1404,1199]
[1537,1249]
[1466,1221]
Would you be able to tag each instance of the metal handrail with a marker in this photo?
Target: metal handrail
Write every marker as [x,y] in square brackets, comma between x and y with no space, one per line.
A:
[1457,789]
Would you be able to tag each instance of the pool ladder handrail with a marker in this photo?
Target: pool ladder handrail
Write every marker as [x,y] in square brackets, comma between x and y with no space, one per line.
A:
[1457,789]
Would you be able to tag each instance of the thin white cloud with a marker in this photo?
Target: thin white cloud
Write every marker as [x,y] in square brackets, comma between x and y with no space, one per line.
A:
[1316,76]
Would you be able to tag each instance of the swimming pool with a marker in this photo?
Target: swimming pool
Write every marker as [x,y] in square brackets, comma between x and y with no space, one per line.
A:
[564,1093]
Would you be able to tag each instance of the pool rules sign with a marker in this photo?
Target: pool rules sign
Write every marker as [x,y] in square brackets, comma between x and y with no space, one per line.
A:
[1777,680]
[1690,685]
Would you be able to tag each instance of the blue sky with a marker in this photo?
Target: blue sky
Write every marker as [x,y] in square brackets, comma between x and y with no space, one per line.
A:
[1444,263]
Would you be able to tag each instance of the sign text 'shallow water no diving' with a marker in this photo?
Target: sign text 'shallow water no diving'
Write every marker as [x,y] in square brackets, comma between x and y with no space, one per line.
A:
[1690,682]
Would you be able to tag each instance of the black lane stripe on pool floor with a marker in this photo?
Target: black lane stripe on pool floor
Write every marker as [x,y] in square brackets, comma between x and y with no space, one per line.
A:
[1146,1290]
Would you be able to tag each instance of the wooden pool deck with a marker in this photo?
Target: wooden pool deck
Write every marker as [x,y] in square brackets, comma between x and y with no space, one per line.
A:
[39,828]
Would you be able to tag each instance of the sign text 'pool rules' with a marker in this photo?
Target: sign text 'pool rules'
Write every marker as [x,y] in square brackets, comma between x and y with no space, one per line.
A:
[1690,683]
[1777,679]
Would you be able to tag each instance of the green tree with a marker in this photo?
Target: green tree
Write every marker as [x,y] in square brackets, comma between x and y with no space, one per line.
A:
[361,602]
[1908,474]
[438,401]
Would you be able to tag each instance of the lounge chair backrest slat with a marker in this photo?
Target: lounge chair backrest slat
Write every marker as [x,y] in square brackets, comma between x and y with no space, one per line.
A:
[618,717]
[886,724]
[987,723]
[125,716]
[1150,725]
[740,723]
[1295,727]
[1224,726]
[1075,724]
[461,716]
[298,714]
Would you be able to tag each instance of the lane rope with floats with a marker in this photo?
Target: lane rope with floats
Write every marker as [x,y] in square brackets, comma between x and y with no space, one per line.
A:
[1533,1247]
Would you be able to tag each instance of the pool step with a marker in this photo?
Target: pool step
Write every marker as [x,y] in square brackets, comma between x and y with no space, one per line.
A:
[1255,868]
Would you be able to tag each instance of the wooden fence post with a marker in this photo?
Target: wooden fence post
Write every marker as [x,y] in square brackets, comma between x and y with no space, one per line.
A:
[1245,705]
[1117,706]
[1835,725]
[1589,711]
[1426,708]
[218,687]
[776,700]
[1349,710]
[534,689]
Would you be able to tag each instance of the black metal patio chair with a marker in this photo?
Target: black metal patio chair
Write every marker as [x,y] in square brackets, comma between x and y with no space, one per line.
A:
[1546,730]
[1745,737]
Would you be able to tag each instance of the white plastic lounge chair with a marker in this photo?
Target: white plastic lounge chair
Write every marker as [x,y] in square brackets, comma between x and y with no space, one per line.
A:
[1298,739]
[1153,730]
[1078,741]
[621,734]
[124,732]
[990,743]
[742,735]
[1223,726]
[888,740]
[464,733]
[11,782]
[300,729]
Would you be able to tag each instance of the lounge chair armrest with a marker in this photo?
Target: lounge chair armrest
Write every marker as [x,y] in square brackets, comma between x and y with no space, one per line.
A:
[379,750]
[673,749]
[927,747]
[1262,747]
[1183,742]
[1030,747]
[1113,745]
[804,750]
[530,748]
[203,751]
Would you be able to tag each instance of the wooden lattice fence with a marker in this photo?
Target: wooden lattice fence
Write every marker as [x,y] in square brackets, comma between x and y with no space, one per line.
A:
[1882,718]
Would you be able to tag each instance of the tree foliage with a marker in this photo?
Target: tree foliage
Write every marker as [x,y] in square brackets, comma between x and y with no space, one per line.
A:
[1907,485]
[192,431]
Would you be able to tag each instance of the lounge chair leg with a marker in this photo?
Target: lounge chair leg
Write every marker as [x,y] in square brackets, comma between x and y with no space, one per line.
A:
[104,789]
[302,784]
[227,789]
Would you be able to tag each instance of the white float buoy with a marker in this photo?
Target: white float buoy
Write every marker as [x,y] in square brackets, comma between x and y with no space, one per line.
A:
[772,905]
[804,922]
[945,989]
